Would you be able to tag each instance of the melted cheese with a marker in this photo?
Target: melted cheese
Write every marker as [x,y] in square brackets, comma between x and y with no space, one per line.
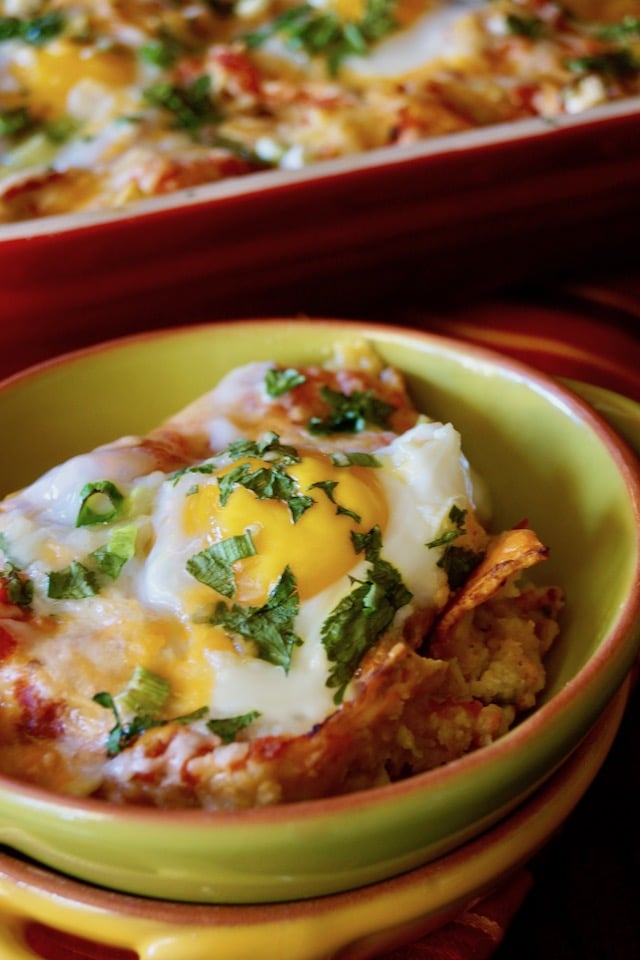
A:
[114,108]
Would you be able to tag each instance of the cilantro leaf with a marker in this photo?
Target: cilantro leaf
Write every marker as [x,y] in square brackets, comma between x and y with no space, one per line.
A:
[325,33]
[456,561]
[360,618]
[350,413]
[269,448]
[74,582]
[16,587]
[356,458]
[534,28]
[36,31]
[227,728]
[610,63]
[629,26]
[268,482]
[213,566]
[328,487]
[16,120]
[277,382]
[191,106]
[143,698]
[269,627]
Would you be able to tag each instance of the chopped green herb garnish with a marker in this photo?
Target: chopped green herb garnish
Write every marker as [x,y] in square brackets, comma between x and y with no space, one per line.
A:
[534,28]
[227,728]
[457,562]
[351,413]
[354,459]
[161,52]
[328,488]
[101,503]
[269,448]
[241,150]
[208,467]
[610,63]
[36,31]
[277,382]
[17,588]
[141,701]
[362,617]
[191,106]
[74,582]
[269,482]
[16,120]
[269,627]
[457,517]
[326,34]
[60,130]
[628,27]
[213,566]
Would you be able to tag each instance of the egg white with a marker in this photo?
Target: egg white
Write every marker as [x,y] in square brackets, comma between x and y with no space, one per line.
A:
[423,473]
[147,613]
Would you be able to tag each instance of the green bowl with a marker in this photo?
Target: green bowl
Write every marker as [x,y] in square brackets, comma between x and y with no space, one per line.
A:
[545,453]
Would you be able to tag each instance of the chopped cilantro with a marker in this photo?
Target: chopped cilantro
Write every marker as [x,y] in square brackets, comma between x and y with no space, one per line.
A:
[16,587]
[360,618]
[277,382]
[328,488]
[228,727]
[268,482]
[457,562]
[16,120]
[629,26]
[142,700]
[269,627]
[191,106]
[610,63]
[350,413]
[356,458]
[213,566]
[269,448]
[74,582]
[457,517]
[534,28]
[60,130]
[208,467]
[161,52]
[36,31]
[325,33]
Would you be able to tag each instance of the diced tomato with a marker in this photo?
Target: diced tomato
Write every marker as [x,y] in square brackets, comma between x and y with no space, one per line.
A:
[40,718]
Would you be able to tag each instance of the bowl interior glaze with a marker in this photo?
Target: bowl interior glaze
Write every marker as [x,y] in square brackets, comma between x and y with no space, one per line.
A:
[546,456]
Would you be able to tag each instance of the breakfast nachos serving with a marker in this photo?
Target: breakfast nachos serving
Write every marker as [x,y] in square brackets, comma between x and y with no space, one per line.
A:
[284,592]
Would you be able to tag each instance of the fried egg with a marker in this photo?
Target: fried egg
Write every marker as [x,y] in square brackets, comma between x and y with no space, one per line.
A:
[201,542]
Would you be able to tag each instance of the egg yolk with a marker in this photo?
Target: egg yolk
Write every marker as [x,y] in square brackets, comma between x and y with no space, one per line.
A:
[53,71]
[317,546]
